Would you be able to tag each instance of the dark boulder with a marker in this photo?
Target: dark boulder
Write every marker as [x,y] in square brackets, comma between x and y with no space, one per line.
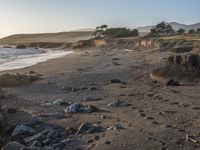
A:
[173,83]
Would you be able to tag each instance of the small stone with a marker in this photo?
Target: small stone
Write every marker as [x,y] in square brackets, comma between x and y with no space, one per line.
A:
[22,130]
[173,83]
[150,118]
[168,126]
[73,108]
[13,146]
[181,130]
[122,94]
[114,103]
[115,81]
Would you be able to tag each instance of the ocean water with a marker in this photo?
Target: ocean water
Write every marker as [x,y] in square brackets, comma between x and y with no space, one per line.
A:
[11,58]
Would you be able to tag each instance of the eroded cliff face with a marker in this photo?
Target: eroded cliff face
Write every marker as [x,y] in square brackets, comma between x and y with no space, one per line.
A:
[148,43]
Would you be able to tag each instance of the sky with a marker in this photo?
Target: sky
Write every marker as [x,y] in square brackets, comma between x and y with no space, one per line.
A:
[40,16]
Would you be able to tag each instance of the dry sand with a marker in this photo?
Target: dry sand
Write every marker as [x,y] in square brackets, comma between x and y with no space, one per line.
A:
[153,116]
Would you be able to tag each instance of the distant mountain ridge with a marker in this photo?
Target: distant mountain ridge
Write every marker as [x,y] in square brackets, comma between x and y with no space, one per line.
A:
[175,25]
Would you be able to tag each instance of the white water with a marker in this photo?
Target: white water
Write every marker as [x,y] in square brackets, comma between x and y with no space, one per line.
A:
[11,58]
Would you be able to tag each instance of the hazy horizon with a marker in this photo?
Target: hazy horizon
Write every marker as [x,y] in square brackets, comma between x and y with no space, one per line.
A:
[34,16]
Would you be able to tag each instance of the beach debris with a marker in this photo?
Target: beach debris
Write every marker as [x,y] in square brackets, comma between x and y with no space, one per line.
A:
[171,82]
[79,108]
[13,146]
[22,130]
[188,138]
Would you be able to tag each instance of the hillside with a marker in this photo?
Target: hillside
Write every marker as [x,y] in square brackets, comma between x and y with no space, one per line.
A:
[175,25]
[60,37]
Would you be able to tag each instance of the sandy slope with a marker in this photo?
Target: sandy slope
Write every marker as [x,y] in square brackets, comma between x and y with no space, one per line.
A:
[47,37]
[153,115]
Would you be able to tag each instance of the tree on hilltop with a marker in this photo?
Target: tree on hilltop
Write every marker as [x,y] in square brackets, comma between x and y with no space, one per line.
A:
[181,31]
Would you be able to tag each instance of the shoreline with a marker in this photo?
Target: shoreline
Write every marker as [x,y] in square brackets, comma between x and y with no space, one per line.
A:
[25,61]
[58,65]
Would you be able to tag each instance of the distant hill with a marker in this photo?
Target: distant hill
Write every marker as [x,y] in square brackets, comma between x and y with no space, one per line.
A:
[61,37]
[175,25]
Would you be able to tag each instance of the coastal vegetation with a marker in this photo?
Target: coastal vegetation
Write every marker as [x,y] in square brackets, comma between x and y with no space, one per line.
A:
[103,31]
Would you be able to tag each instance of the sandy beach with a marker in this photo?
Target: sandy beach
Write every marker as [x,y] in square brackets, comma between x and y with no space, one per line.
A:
[149,115]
